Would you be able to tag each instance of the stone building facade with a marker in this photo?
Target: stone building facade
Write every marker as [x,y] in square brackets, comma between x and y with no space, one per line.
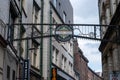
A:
[8,60]
[109,14]
[3,46]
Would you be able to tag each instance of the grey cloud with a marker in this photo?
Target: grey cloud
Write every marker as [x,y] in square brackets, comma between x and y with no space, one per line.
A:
[88,8]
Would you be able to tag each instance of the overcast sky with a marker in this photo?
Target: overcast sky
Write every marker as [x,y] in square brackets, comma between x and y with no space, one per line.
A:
[86,12]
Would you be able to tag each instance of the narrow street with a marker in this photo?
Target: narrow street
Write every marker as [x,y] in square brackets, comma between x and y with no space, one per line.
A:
[59,40]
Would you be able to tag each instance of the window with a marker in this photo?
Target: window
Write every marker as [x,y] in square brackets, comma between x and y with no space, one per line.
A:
[64,16]
[35,12]
[13,75]
[8,72]
[64,62]
[54,21]
[70,67]
[56,56]
[34,53]
[36,15]
[59,6]
[2,28]
[69,22]
[12,17]
[34,58]
[53,55]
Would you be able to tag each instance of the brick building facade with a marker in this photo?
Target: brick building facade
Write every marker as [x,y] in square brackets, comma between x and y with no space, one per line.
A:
[81,65]
[80,62]
[93,75]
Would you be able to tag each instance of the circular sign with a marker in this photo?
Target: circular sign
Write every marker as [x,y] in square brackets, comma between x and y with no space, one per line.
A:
[63,33]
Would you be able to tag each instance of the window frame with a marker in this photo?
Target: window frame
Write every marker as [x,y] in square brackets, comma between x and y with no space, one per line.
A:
[13,75]
[8,72]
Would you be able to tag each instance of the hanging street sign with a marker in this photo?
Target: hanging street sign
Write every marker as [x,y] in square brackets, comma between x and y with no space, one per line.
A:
[26,70]
[63,33]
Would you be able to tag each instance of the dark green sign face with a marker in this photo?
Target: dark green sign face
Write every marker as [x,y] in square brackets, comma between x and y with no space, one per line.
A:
[63,33]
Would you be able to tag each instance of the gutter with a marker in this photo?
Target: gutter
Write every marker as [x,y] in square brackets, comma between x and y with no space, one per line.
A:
[50,45]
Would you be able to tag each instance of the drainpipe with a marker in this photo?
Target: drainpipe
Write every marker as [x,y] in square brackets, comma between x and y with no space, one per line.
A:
[50,69]
[19,33]
[8,32]
[27,47]
[41,46]
[19,36]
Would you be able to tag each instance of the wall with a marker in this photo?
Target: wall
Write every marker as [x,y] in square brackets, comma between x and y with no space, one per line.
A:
[1,62]
[110,51]
[80,62]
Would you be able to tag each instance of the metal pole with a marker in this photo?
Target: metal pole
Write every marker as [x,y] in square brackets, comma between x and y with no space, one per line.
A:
[41,46]
[27,58]
[19,42]
[19,33]
[27,54]
[50,43]
[8,32]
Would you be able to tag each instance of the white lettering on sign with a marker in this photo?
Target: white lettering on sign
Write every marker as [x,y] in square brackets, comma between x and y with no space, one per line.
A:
[64,32]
